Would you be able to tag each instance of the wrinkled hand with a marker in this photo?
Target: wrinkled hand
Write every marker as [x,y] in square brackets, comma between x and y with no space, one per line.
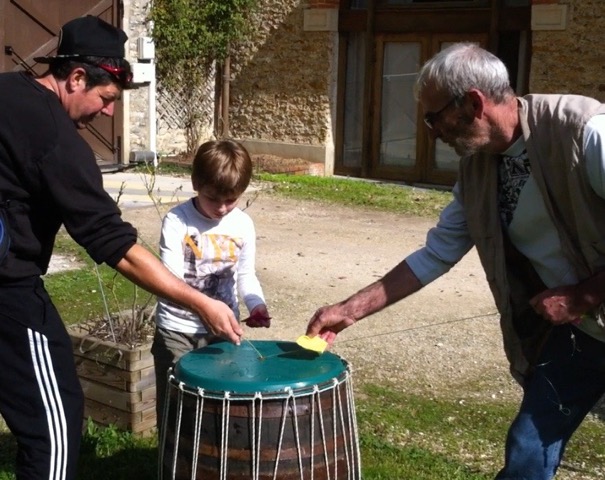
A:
[259,317]
[560,305]
[328,321]
[221,321]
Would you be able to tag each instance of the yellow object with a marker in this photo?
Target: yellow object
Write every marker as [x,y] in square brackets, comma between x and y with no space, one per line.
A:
[317,344]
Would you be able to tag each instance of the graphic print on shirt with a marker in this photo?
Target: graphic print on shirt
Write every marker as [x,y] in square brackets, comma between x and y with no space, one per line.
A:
[210,265]
[513,172]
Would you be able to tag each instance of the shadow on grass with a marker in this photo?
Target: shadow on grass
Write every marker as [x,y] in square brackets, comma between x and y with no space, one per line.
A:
[129,463]
[132,463]
[8,450]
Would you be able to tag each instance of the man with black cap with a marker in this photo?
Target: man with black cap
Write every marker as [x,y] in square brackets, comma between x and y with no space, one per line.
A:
[48,178]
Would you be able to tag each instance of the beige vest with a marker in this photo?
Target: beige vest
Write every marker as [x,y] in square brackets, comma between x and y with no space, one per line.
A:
[553,127]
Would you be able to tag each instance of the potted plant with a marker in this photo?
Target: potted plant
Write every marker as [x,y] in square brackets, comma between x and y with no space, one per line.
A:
[115,366]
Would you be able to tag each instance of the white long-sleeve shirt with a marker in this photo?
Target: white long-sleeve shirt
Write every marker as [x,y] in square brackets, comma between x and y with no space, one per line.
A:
[217,257]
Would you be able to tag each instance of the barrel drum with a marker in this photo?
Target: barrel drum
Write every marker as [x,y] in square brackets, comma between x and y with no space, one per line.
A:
[263,410]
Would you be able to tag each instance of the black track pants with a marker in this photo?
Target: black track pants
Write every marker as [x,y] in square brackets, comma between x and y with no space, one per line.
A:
[40,395]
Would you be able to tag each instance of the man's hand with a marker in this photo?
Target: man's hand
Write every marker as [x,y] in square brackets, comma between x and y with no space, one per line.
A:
[328,321]
[397,284]
[560,305]
[220,320]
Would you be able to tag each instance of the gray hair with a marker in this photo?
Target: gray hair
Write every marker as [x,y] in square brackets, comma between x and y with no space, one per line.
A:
[462,66]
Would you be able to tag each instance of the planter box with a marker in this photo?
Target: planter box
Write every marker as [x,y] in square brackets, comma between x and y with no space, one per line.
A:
[118,382]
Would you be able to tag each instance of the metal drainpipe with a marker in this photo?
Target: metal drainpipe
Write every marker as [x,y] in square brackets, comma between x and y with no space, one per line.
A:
[153,116]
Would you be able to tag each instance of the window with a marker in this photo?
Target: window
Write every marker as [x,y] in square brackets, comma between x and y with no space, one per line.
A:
[379,131]
[353,105]
[401,62]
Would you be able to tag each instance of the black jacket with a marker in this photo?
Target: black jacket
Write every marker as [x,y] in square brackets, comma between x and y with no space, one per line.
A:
[50,176]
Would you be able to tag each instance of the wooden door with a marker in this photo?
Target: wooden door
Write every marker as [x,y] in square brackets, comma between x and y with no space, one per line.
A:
[29,28]
[402,147]
[395,133]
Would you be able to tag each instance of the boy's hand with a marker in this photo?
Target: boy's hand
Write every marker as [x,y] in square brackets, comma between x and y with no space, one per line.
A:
[259,317]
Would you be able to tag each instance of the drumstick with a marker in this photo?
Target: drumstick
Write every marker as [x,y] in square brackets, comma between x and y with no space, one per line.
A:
[260,355]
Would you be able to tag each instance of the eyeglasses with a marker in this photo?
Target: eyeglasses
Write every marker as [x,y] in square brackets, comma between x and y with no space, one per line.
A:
[123,75]
[431,117]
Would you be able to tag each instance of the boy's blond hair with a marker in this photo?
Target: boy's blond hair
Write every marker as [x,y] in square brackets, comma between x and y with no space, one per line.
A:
[222,165]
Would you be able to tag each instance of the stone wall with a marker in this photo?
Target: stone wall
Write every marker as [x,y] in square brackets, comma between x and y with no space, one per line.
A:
[571,60]
[136,101]
[283,78]
[283,88]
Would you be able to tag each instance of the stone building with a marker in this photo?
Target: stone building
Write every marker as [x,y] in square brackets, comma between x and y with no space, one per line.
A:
[329,81]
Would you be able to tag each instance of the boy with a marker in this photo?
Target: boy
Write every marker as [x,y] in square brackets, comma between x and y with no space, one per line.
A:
[211,244]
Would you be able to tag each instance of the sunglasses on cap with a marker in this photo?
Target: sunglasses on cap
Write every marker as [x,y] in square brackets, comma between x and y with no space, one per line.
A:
[123,75]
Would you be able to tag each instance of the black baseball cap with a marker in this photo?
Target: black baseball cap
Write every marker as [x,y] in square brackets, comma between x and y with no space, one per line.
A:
[88,36]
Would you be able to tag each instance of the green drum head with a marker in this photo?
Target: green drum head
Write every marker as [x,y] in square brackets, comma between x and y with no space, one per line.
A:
[256,366]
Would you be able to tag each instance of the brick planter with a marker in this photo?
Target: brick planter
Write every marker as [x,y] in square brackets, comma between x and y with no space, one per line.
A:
[118,382]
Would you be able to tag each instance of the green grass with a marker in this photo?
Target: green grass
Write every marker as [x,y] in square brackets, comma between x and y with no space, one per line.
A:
[106,453]
[402,437]
[77,294]
[417,437]
[380,196]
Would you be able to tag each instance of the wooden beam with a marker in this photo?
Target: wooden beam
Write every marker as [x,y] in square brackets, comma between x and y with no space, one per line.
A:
[366,138]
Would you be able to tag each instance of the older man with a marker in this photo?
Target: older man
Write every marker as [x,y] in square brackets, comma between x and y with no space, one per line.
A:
[531,198]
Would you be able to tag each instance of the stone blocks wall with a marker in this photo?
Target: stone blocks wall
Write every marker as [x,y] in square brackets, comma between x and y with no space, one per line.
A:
[571,60]
[169,139]
[281,89]
[283,81]
[136,119]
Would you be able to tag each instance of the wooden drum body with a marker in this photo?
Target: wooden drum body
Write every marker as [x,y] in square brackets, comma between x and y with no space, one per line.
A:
[263,410]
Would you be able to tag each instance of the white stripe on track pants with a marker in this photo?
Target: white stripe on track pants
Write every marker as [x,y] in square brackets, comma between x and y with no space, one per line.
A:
[40,395]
